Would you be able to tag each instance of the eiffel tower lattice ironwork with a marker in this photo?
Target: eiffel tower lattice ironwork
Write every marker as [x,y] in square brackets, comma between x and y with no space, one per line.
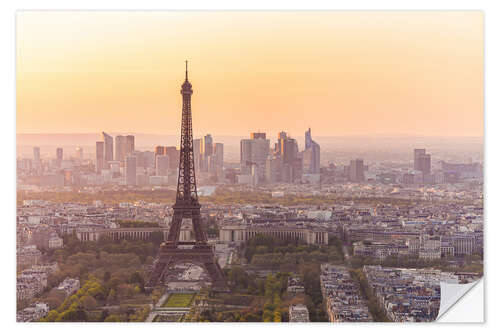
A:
[186,207]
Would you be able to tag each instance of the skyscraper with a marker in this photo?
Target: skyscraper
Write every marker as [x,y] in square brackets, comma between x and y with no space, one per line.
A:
[59,156]
[130,144]
[422,161]
[120,148]
[36,153]
[217,165]
[277,146]
[311,155]
[254,152]
[416,161]
[124,146]
[274,166]
[162,163]
[173,157]
[207,148]
[288,148]
[357,170]
[257,135]
[160,150]
[425,163]
[108,149]
[197,154]
[130,171]
[99,156]
[207,145]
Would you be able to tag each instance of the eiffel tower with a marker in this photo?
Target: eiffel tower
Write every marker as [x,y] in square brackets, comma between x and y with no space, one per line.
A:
[186,207]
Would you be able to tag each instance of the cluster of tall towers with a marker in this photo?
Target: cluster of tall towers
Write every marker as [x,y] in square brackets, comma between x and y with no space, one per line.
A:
[208,156]
[285,163]
[123,148]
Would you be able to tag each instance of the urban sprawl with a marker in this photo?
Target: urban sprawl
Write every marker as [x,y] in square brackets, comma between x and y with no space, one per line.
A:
[298,240]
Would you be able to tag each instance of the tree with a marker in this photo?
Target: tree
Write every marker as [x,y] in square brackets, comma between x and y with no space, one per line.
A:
[74,315]
[88,302]
[53,302]
[277,315]
[111,296]
[137,290]
[104,315]
[51,316]
[267,316]
[106,277]
[113,318]
[136,277]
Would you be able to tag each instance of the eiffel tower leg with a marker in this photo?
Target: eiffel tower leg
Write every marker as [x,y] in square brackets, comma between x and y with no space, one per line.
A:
[216,275]
[156,276]
[200,236]
[175,229]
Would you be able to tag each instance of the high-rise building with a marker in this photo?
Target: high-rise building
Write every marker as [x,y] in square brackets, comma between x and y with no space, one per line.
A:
[416,161]
[257,135]
[120,148]
[148,159]
[162,163]
[208,156]
[173,157]
[36,153]
[274,166]
[207,145]
[422,161]
[130,144]
[59,156]
[124,146]
[59,153]
[79,153]
[108,149]
[277,146]
[130,171]
[425,163]
[160,150]
[254,152]
[357,171]
[311,155]
[288,148]
[207,148]
[197,154]
[99,156]
[218,159]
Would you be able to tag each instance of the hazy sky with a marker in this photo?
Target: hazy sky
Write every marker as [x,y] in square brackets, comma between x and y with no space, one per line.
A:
[341,73]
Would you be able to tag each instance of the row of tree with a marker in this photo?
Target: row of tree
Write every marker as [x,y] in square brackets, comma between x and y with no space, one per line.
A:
[267,250]
[374,307]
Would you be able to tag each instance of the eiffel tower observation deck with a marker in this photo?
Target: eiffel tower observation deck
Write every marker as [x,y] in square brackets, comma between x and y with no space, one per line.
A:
[186,207]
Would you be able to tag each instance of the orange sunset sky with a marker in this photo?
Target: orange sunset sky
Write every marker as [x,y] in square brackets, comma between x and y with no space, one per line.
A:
[341,73]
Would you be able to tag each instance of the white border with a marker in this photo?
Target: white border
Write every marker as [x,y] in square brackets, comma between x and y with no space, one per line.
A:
[492,167]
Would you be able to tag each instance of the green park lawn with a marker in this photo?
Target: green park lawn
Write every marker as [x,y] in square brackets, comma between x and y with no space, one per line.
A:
[178,301]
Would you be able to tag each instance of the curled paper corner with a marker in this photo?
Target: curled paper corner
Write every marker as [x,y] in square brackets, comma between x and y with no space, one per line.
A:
[461,302]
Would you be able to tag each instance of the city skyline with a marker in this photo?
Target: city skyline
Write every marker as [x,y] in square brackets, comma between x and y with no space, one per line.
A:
[421,78]
[294,224]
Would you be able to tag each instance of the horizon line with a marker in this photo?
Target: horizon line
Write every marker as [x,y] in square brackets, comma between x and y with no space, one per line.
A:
[247,134]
